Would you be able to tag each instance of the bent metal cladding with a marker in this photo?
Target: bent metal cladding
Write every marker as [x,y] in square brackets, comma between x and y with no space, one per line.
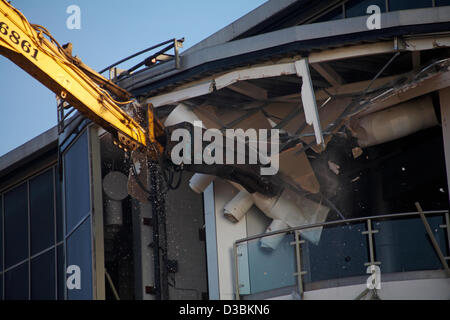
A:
[235,141]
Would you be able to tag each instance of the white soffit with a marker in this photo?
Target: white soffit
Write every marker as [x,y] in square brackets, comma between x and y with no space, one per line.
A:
[222,82]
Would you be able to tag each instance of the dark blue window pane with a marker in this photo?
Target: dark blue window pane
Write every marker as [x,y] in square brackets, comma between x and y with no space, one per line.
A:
[79,253]
[1,233]
[42,212]
[404,245]
[341,252]
[59,210]
[16,283]
[356,8]
[61,272]
[43,277]
[440,3]
[16,225]
[408,4]
[332,15]
[1,286]
[76,180]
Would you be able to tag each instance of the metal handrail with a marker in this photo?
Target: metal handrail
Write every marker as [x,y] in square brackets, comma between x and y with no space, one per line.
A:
[137,54]
[337,222]
[369,233]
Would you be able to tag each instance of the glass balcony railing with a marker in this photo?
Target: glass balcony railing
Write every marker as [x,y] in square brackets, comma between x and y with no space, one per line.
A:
[396,243]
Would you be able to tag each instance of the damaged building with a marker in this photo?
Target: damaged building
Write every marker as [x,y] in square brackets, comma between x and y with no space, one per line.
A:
[364,157]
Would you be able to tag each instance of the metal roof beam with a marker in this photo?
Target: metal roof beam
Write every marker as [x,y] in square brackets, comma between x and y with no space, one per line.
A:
[303,33]
[328,74]
[250,90]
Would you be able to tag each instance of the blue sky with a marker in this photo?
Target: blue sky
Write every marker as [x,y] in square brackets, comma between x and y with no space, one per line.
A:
[110,31]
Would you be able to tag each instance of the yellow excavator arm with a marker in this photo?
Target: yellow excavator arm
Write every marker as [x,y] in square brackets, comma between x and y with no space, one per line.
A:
[32,48]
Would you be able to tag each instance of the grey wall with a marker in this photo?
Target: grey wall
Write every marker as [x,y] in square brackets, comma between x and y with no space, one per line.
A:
[184,210]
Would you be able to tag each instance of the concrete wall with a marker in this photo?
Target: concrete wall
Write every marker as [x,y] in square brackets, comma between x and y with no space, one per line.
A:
[184,210]
[143,254]
[223,232]
[221,235]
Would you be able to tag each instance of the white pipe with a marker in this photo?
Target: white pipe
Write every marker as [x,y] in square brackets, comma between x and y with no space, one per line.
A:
[200,181]
[396,122]
[181,113]
[273,241]
[237,207]
[293,209]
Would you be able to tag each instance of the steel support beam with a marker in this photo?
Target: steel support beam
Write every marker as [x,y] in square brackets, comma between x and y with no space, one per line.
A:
[444,97]
[328,74]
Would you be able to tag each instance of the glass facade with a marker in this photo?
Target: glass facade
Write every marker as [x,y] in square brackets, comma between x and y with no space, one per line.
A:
[76,182]
[357,8]
[266,271]
[77,205]
[341,252]
[16,225]
[29,238]
[399,244]
[404,245]
[45,226]
[395,5]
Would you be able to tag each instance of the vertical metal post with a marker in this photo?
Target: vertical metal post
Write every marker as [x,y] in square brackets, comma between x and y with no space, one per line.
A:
[369,234]
[55,232]
[444,101]
[29,240]
[236,268]
[433,239]
[177,44]
[447,226]
[155,225]
[299,272]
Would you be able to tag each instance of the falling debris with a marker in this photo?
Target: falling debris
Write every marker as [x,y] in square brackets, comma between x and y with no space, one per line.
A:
[272,242]
[238,206]
[356,179]
[357,152]
[139,161]
[298,168]
[334,167]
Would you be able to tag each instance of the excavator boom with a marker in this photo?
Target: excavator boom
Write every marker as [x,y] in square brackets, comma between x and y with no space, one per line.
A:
[32,48]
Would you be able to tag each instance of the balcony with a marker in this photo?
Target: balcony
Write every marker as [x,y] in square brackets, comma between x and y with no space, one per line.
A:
[399,244]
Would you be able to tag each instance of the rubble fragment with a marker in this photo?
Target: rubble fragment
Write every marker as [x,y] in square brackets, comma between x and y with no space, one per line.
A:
[334,167]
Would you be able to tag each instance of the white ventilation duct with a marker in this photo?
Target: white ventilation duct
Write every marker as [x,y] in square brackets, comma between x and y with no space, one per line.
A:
[235,209]
[180,114]
[115,188]
[200,181]
[293,209]
[273,241]
[396,122]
